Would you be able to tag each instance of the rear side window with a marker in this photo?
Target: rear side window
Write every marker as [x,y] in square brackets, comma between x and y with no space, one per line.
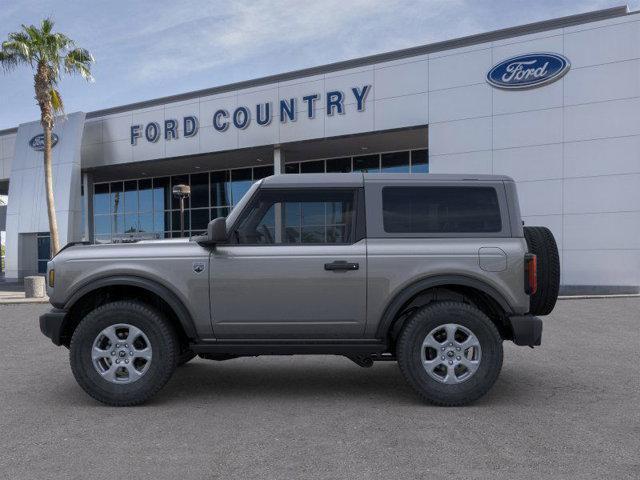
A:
[441,210]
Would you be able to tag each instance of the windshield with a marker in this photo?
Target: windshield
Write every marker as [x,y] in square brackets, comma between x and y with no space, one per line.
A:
[232,217]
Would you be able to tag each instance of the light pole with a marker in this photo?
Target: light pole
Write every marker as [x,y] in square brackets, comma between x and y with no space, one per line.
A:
[181,192]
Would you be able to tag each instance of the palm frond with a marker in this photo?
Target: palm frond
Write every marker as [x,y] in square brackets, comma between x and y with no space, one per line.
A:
[79,60]
[56,101]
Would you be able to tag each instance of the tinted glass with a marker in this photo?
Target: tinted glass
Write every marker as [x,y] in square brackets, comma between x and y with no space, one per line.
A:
[101,199]
[319,216]
[241,180]
[145,195]
[366,163]
[340,165]
[200,190]
[220,189]
[199,219]
[102,224]
[44,248]
[131,196]
[440,210]
[261,172]
[161,194]
[397,162]
[292,168]
[420,161]
[312,167]
[145,222]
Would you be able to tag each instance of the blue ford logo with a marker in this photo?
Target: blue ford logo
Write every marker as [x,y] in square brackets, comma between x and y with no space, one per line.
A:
[528,71]
[37,142]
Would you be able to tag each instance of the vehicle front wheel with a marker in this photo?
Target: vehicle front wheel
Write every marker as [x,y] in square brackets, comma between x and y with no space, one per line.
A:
[124,352]
[450,353]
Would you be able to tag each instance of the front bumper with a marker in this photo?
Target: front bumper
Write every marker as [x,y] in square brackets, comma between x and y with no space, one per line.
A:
[51,324]
[527,330]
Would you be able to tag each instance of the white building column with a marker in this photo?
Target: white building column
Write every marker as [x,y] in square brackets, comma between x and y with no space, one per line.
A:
[278,160]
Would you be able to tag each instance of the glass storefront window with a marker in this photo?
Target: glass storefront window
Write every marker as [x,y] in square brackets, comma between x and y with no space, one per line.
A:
[117,190]
[161,194]
[366,163]
[396,162]
[261,172]
[101,199]
[199,190]
[292,168]
[420,161]
[131,196]
[316,166]
[199,219]
[145,196]
[340,165]
[220,189]
[241,180]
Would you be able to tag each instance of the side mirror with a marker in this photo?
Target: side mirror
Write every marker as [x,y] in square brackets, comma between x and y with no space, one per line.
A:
[217,230]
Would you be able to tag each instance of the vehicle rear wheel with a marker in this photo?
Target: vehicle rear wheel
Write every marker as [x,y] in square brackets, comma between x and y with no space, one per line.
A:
[124,352]
[542,244]
[450,353]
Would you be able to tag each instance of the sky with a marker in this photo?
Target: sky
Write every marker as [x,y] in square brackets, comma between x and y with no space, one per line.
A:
[149,49]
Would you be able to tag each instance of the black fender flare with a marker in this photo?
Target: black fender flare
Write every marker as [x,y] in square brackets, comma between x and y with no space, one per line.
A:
[182,313]
[406,293]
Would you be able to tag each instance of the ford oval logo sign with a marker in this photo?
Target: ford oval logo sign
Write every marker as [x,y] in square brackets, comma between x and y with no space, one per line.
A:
[37,142]
[528,71]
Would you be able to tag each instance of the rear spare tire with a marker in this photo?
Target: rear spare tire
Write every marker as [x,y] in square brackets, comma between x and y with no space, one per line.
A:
[542,244]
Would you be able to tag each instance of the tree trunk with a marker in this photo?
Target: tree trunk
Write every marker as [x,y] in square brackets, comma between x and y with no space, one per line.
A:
[42,85]
[48,178]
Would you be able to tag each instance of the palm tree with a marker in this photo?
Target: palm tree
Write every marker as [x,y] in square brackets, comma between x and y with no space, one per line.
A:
[47,53]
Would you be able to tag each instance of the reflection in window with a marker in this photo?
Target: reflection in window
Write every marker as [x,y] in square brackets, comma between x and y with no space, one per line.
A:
[319,216]
[145,208]
[101,199]
[241,180]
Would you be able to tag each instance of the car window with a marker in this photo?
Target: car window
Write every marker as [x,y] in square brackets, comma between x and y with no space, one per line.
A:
[441,210]
[315,216]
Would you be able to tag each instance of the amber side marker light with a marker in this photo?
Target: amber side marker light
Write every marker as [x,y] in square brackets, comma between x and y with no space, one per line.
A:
[530,273]
[52,277]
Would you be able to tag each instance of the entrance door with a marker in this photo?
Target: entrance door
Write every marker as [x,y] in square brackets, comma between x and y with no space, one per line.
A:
[295,267]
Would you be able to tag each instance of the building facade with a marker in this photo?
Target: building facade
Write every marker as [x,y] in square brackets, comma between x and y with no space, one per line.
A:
[555,105]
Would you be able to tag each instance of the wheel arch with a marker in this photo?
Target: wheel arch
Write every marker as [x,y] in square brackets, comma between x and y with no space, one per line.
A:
[105,289]
[484,296]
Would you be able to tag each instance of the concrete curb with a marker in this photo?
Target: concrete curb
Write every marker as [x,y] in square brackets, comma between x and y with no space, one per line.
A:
[17,301]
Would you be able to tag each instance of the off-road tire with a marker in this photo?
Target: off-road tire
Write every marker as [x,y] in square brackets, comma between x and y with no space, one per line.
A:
[164,346]
[542,244]
[409,345]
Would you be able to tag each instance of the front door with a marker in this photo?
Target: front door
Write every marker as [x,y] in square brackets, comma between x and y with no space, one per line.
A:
[295,267]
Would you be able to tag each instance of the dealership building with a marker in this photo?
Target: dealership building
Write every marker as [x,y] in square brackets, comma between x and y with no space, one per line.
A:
[553,104]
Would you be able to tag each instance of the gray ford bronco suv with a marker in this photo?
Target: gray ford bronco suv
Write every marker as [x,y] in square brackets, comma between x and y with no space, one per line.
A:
[433,272]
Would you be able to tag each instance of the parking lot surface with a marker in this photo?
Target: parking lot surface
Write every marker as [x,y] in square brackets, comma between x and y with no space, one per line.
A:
[569,409]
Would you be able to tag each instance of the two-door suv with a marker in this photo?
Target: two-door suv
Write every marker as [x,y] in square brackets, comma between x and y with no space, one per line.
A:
[432,271]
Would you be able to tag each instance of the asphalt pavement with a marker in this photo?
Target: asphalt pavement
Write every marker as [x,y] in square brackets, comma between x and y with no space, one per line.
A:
[569,409]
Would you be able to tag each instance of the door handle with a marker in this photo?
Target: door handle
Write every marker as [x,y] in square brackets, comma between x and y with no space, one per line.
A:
[341,265]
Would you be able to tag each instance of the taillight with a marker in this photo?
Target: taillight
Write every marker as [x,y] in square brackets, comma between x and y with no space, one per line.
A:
[530,274]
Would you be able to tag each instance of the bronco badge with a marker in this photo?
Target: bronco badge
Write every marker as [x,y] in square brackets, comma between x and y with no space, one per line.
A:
[198,267]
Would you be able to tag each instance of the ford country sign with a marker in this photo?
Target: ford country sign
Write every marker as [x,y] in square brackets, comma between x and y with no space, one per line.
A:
[37,142]
[528,71]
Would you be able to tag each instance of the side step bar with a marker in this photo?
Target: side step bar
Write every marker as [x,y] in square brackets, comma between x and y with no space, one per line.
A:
[250,347]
